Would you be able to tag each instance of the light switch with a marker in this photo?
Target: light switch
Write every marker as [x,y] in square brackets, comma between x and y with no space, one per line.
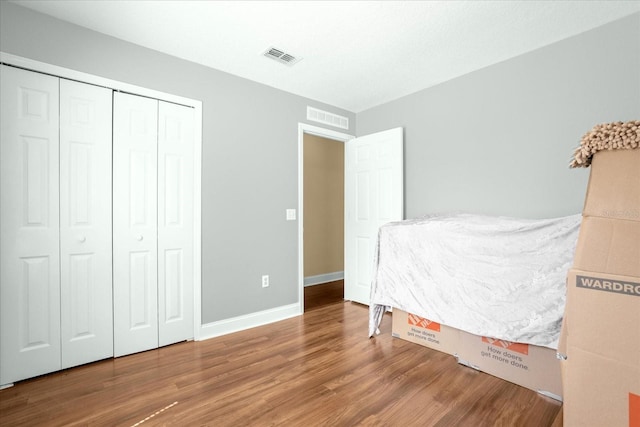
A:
[291,214]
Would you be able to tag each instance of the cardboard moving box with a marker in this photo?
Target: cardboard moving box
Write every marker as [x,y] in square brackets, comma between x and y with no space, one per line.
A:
[423,331]
[601,341]
[603,315]
[600,337]
[614,186]
[597,391]
[530,366]
[608,246]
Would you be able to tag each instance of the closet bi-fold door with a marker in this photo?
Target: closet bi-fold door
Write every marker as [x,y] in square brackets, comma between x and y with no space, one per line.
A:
[135,210]
[175,223]
[29,225]
[85,223]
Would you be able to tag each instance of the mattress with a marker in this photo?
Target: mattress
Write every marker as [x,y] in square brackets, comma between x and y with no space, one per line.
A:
[497,277]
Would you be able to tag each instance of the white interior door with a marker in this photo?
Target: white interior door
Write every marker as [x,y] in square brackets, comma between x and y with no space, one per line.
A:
[135,207]
[175,223]
[85,223]
[29,225]
[373,197]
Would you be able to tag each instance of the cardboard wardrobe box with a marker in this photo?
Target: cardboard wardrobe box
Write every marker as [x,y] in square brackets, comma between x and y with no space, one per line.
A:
[613,190]
[536,368]
[601,372]
[600,339]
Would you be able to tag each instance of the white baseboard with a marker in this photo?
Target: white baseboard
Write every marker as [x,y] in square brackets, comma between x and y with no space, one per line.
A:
[323,278]
[247,321]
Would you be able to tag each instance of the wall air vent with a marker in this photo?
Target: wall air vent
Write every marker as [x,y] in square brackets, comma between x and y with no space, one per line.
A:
[327,118]
[281,56]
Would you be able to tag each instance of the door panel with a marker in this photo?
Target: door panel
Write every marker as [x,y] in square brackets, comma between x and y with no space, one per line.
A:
[135,223]
[373,197]
[363,196]
[364,258]
[85,223]
[142,291]
[175,223]
[81,283]
[174,284]
[29,225]
[36,296]
[36,152]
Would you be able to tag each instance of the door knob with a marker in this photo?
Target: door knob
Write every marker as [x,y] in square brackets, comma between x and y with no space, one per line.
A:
[82,239]
[139,237]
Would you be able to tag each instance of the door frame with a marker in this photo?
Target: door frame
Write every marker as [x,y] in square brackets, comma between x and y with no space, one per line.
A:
[303,129]
[66,73]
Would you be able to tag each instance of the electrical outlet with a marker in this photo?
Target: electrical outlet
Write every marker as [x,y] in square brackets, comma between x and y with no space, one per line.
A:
[265,281]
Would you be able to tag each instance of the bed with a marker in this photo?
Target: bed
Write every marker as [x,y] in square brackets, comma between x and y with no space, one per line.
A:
[496,277]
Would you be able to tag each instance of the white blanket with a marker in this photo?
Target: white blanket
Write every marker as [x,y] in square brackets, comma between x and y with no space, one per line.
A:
[492,276]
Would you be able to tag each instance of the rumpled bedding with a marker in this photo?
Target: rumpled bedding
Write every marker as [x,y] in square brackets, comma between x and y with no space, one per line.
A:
[491,276]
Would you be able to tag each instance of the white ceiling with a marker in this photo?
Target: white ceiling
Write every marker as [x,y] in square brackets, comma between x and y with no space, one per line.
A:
[356,54]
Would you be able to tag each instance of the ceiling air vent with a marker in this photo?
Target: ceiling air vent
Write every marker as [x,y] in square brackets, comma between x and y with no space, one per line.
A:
[281,56]
[327,118]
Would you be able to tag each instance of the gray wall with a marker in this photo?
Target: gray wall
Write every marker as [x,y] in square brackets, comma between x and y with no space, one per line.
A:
[498,141]
[495,141]
[249,155]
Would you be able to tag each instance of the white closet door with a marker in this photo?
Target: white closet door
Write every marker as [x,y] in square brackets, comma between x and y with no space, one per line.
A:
[135,210]
[175,223]
[85,223]
[29,225]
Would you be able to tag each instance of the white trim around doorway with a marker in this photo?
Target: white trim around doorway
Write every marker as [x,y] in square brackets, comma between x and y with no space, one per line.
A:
[325,133]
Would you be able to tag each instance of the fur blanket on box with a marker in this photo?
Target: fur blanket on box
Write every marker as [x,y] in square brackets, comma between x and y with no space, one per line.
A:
[606,136]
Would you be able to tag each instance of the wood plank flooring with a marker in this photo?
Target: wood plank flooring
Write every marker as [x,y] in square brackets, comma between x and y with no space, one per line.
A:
[319,369]
[318,296]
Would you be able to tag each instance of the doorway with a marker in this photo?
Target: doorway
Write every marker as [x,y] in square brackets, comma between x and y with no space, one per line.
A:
[321,216]
[373,196]
[323,221]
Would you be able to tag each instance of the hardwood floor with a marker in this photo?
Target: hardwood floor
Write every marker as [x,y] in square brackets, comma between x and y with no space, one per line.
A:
[322,295]
[319,369]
